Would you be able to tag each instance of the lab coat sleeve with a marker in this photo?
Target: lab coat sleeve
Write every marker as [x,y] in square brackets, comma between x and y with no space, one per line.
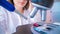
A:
[3,22]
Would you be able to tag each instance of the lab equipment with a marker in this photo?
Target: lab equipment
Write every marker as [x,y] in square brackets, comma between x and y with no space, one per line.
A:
[53,28]
[42,5]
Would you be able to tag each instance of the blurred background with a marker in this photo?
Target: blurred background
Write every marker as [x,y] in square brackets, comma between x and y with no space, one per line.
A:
[56,11]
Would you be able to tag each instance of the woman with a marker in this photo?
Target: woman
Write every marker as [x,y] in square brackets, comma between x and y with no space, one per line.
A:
[12,19]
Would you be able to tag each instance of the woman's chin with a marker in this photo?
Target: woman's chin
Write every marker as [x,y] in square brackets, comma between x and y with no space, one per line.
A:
[21,6]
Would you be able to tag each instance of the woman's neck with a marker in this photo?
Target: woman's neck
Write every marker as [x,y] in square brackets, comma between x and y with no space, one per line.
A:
[20,9]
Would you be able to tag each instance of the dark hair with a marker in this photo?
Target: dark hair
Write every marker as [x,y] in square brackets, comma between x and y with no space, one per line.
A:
[25,7]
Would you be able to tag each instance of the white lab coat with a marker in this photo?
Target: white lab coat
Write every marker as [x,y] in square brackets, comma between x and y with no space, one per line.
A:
[9,20]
